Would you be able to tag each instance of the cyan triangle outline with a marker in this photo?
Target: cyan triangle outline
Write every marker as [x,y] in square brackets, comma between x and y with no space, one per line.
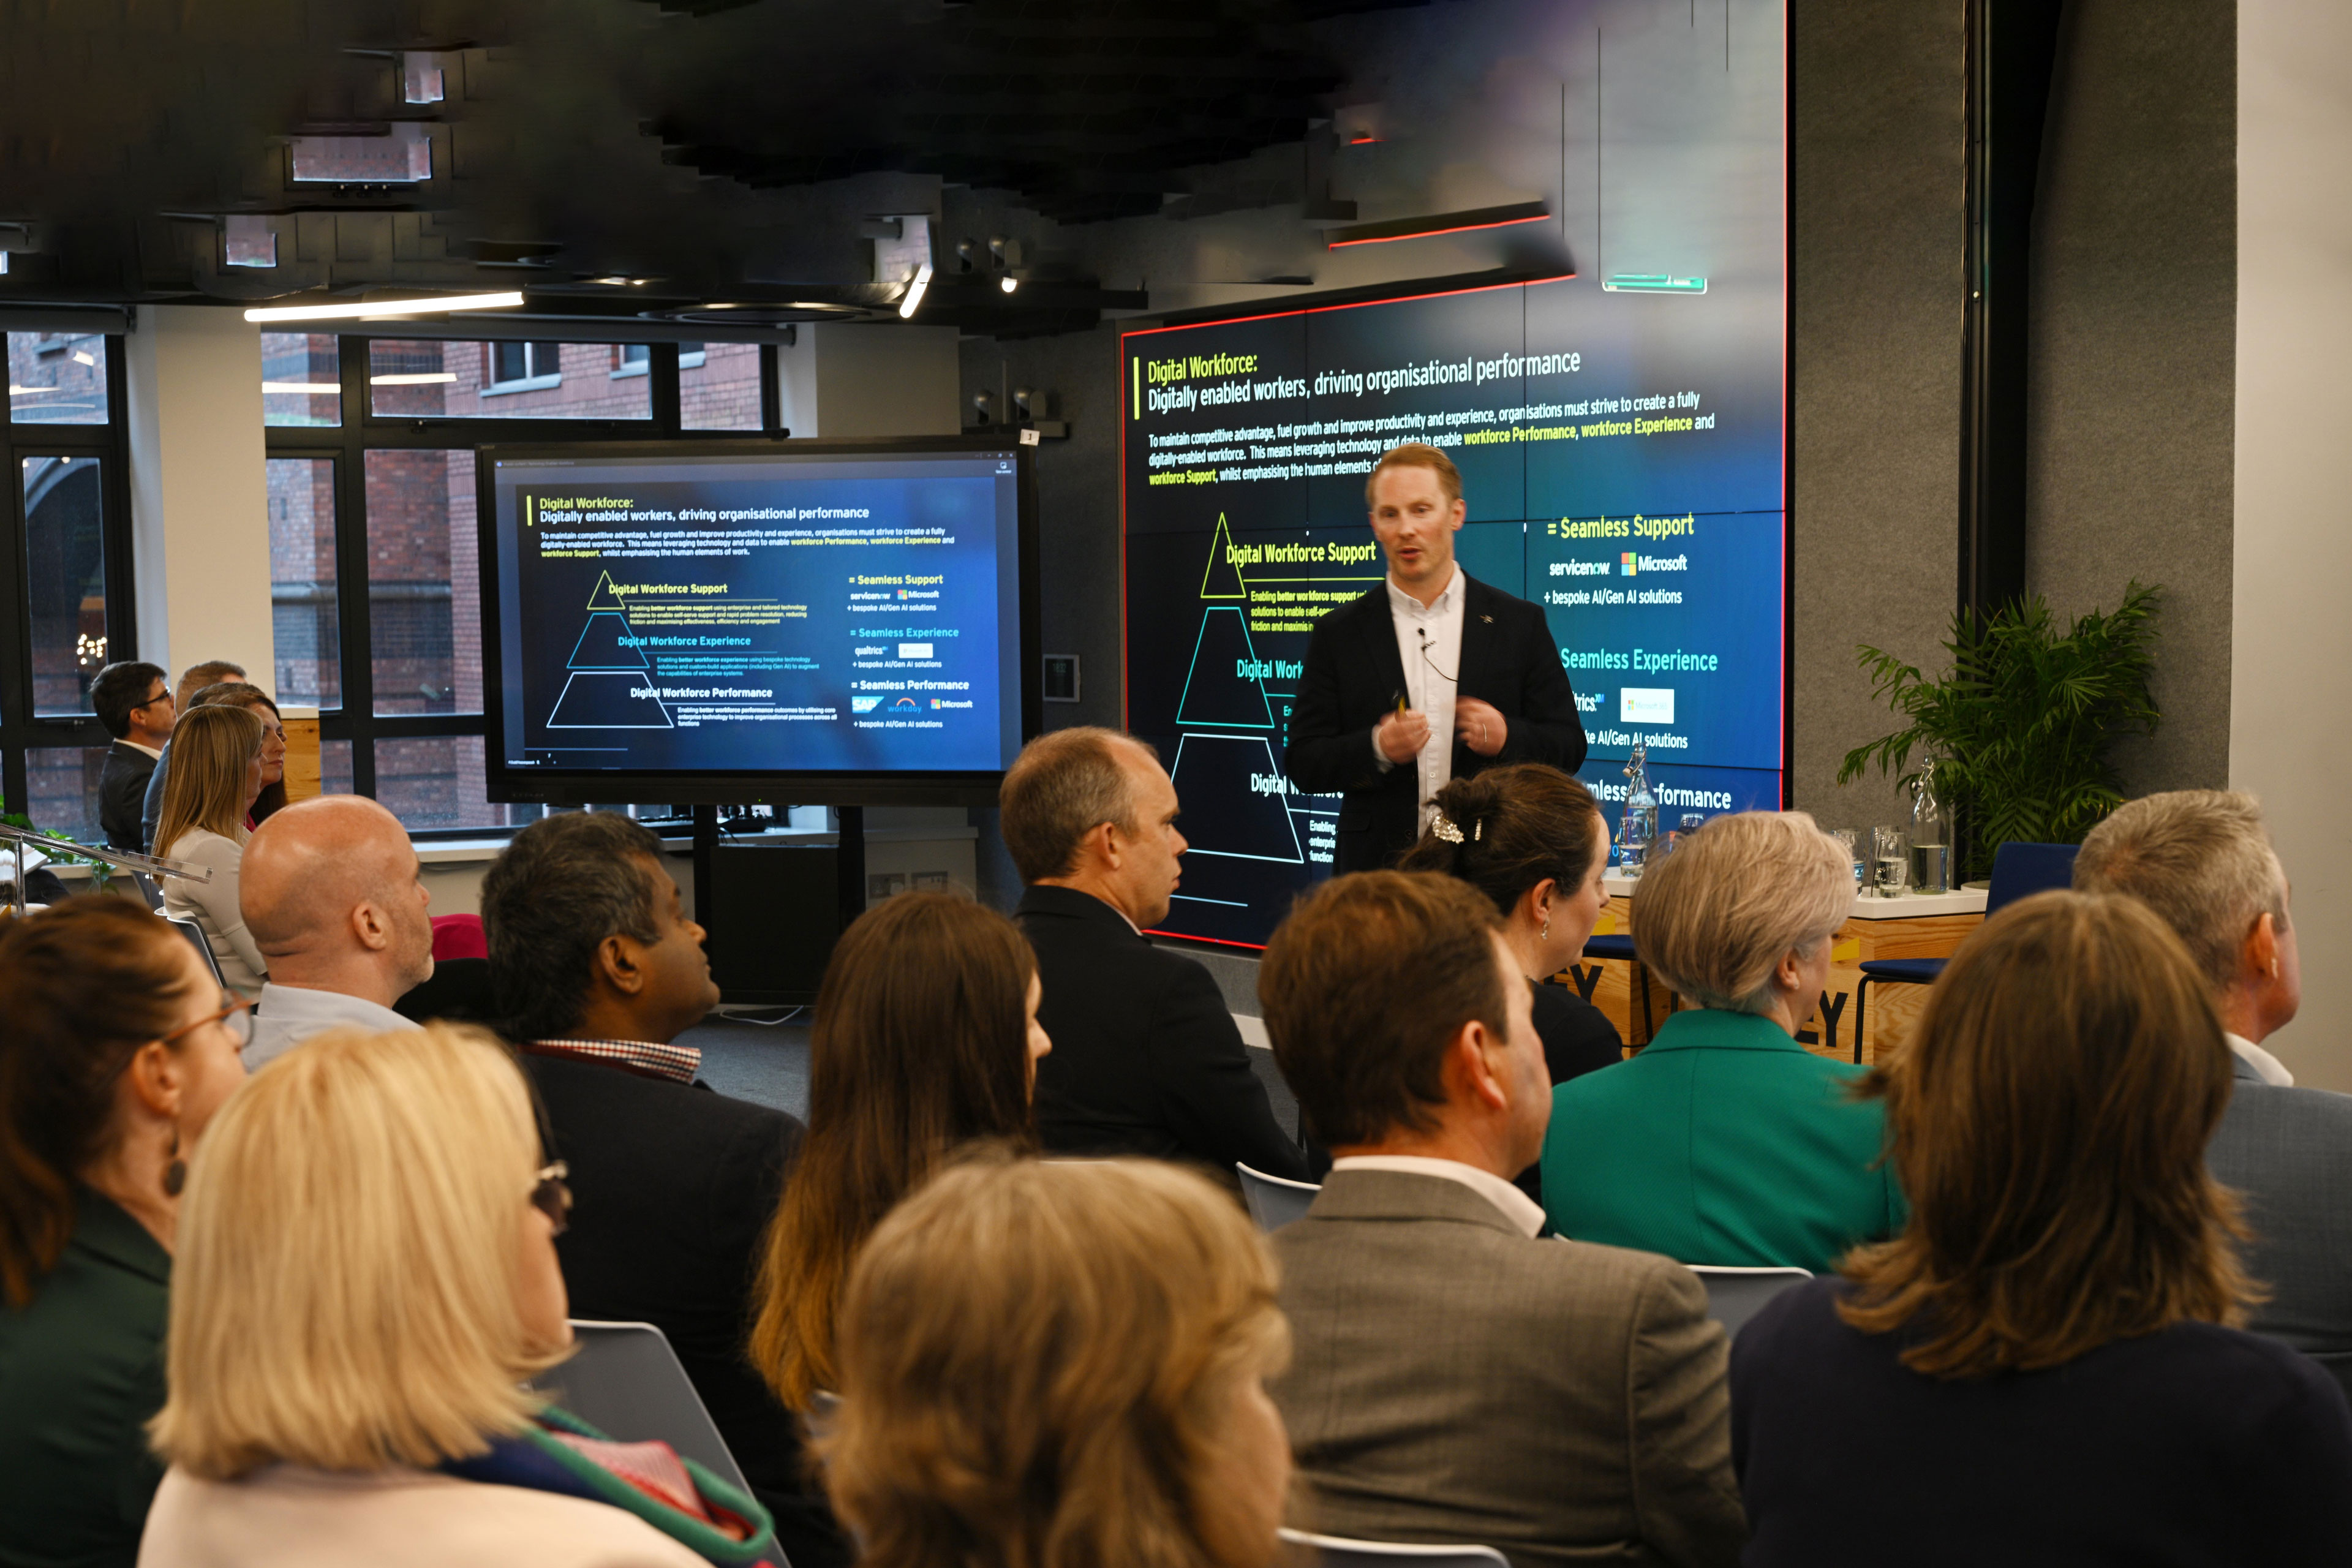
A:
[1297,856]
[1190,669]
[628,635]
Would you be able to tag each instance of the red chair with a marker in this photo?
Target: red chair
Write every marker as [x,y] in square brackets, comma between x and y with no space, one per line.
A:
[458,936]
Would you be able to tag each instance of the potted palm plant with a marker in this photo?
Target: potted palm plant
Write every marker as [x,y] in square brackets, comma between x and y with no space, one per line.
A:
[2021,726]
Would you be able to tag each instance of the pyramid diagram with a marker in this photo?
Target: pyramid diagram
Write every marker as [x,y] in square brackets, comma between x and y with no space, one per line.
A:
[1245,824]
[610,686]
[1215,692]
[1223,580]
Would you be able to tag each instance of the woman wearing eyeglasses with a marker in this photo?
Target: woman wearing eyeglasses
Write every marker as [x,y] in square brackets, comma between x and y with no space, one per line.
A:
[116,1047]
[366,1280]
[217,773]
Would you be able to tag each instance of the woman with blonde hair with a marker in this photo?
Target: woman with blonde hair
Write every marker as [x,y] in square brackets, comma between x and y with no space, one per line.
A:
[216,777]
[2051,1344]
[1049,1364]
[1725,1141]
[367,1277]
[116,1049]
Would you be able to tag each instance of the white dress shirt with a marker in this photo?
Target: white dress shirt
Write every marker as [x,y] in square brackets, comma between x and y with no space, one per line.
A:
[2267,1068]
[153,752]
[1429,643]
[286,1015]
[1518,1207]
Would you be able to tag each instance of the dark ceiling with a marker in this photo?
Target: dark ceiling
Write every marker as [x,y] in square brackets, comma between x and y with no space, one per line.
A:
[734,153]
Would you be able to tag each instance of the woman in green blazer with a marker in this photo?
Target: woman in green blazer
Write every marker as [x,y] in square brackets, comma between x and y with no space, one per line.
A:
[1726,1142]
[116,1047]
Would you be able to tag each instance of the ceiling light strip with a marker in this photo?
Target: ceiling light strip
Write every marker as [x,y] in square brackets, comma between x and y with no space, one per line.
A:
[377,308]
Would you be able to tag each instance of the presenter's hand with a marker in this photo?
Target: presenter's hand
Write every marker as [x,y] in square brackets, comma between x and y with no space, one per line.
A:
[1400,736]
[1481,726]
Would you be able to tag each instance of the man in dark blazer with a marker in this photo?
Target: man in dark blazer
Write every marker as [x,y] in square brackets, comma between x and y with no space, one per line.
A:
[1458,1373]
[1147,1059]
[1433,676]
[597,971]
[134,700]
[2203,860]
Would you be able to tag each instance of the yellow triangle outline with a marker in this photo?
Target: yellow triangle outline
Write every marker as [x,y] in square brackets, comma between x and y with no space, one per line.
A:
[1217,547]
[604,583]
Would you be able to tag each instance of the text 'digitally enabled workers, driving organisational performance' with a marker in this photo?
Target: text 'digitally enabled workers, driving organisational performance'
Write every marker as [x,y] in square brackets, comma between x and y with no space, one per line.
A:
[732,615]
[1620,437]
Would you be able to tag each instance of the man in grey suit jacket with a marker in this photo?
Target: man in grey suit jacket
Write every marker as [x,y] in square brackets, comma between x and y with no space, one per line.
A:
[2203,860]
[1457,1375]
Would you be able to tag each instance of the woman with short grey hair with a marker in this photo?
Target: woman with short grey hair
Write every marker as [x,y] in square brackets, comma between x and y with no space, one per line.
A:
[1725,1141]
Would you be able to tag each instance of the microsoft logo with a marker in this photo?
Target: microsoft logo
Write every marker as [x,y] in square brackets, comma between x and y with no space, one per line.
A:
[1625,564]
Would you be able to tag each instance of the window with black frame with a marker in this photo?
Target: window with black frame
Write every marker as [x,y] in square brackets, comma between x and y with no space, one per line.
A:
[65,584]
[375,565]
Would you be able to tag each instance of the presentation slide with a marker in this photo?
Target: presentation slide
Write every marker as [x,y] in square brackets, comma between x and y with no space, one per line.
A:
[1620,438]
[724,614]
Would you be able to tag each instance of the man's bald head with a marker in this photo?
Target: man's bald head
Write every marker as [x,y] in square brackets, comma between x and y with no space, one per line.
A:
[330,890]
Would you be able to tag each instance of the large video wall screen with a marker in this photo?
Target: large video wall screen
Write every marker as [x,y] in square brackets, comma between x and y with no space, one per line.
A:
[1621,457]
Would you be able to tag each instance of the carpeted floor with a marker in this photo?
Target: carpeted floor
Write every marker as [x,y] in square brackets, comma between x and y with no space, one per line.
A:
[770,1064]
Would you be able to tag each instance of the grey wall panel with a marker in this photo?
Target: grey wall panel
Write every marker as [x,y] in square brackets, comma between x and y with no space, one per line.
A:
[2135,326]
[1875,302]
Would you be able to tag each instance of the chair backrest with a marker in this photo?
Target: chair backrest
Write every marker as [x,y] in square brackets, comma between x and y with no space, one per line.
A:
[624,1379]
[148,891]
[1735,1295]
[2020,871]
[1274,1201]
[195,933]
[1338,1552]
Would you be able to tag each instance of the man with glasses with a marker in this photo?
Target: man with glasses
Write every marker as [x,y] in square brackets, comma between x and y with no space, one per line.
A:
[134,700]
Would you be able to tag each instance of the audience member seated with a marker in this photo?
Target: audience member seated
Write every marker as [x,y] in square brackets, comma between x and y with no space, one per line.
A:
[368,1276]
[926,1040]
[1147,1060]
[195,679]
[1054,1364]
[2044,1366]
[333,896]
[2202,861]
[133,701]
[115,1049]
[237,694]
[218,774]
[1725,1141]
[1531,838]
[1459,1375]
[599,971]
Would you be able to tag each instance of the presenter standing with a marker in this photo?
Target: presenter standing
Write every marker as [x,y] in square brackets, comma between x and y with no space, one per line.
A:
[1430,676]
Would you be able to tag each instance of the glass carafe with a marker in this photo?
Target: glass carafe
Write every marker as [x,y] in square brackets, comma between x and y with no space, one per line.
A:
[1931,835]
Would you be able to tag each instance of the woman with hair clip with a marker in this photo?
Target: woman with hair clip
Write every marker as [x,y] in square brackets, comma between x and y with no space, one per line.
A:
[1531,839]
[926,1040]
[1047,1364]
[216,776]
[2051,1344]
[116,1047]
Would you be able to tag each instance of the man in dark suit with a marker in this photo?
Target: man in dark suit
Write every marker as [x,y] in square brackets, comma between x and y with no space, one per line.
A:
[597,971]
[1433,676]
[134,700]
[1146,1058]
[1456,1372]
[2203,860]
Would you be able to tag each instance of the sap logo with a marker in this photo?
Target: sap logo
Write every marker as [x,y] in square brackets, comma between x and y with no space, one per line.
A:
[863,704]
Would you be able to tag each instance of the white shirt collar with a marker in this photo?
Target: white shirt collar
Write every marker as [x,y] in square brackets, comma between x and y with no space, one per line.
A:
[286,1015]
[2267,1068]
[1404,602]
[1518,1207]
[135,746]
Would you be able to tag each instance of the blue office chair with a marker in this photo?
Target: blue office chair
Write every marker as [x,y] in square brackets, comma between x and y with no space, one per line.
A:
[2018,870]
[1274,1201]
[1734,1294]
[1621,949]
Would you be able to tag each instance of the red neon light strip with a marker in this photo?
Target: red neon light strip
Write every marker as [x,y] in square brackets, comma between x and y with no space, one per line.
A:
[1426,233]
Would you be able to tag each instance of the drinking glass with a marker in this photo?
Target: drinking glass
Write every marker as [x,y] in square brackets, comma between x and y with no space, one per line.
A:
[1845,836]
[1890,853]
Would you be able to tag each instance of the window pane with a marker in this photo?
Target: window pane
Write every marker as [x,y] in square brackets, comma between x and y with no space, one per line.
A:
[425,598]
[722,393]
[301,379]
[418,378]
[335,767]
[304,616]
[64,558]
[63,783]
[436,781]
[56,378]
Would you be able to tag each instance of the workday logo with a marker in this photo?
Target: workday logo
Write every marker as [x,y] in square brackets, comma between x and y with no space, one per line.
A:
[863,704]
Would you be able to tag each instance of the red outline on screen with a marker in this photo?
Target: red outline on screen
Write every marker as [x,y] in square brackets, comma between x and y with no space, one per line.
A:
[1426,233]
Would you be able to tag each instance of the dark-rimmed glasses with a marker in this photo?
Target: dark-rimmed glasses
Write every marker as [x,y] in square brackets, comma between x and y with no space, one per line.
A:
[235,1016]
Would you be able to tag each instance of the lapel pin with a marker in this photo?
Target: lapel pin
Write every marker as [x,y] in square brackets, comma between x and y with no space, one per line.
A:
[1488,620]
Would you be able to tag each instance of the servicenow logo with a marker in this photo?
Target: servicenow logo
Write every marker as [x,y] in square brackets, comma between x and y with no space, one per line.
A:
[1579,569]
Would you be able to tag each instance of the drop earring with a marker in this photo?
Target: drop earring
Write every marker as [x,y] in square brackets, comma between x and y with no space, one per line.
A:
[176,1172]
[1545,934]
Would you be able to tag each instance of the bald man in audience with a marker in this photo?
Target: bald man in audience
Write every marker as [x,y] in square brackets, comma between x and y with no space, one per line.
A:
[334,897]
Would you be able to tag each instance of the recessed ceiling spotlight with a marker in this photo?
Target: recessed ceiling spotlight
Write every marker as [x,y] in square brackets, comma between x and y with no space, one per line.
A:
[1008,283]
[373,309]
